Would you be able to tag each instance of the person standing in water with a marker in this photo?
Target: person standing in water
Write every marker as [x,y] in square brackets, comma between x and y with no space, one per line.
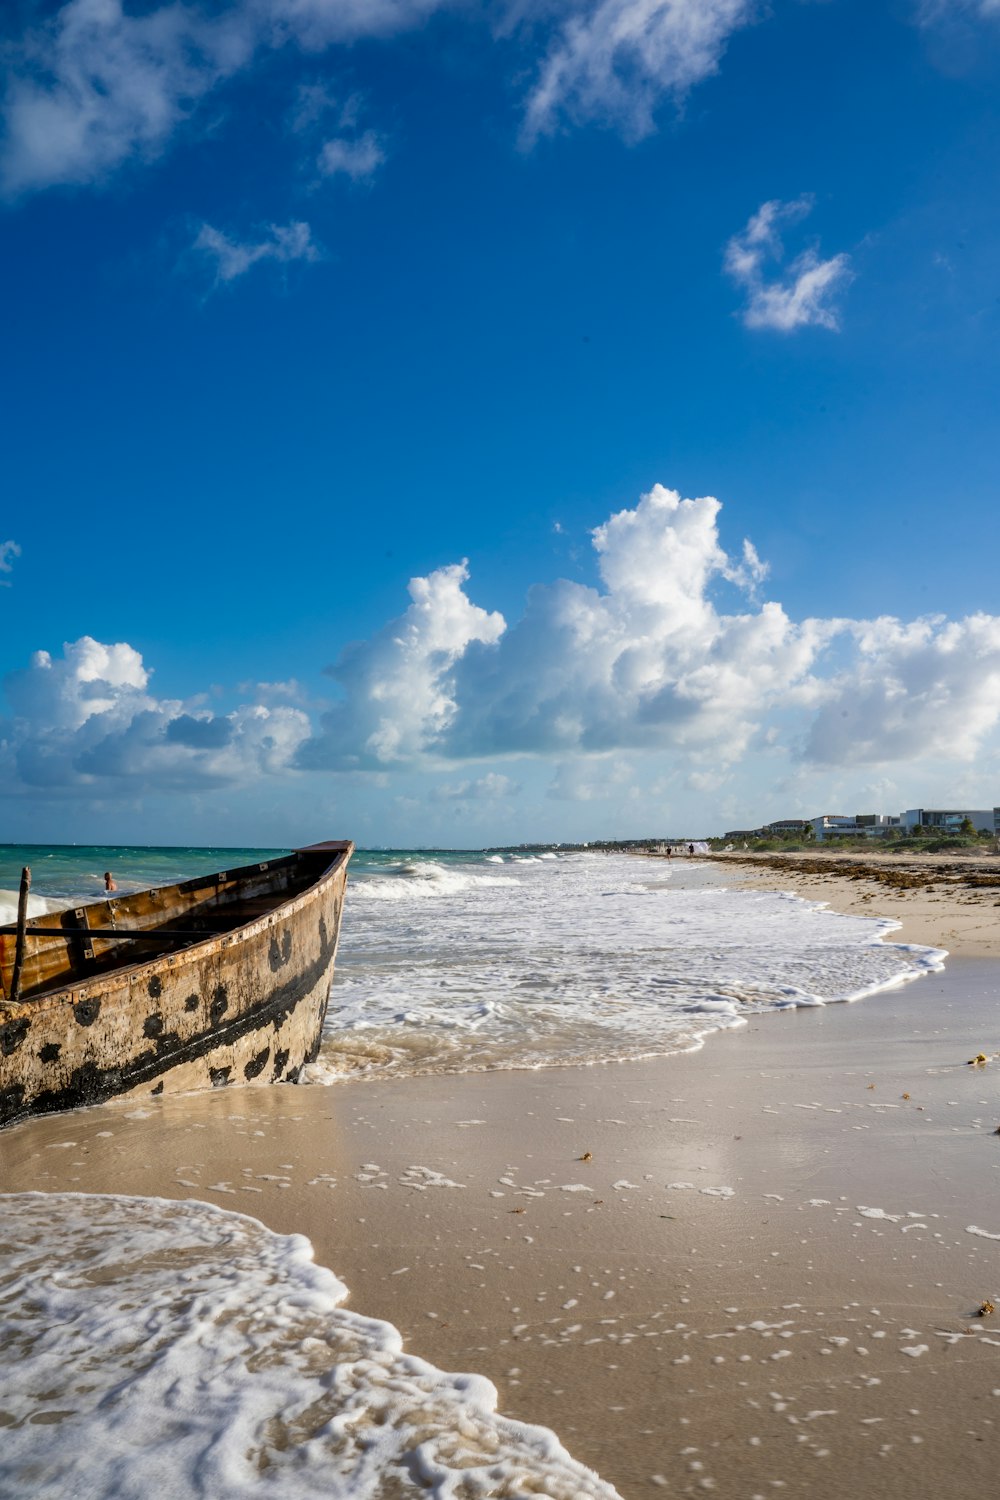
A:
[109,884]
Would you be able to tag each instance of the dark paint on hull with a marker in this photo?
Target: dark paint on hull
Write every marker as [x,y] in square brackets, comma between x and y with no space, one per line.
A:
[242,964]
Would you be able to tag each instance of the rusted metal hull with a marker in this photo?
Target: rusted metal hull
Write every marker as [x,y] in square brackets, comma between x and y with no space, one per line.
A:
[245,1005]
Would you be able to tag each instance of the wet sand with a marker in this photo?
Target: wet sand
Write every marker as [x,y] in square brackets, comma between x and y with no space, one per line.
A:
[747,1269]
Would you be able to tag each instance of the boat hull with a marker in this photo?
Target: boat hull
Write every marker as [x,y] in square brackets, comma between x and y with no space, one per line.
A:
[243,1007]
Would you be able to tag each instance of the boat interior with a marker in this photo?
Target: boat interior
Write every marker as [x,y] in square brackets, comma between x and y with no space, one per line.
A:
[64,948]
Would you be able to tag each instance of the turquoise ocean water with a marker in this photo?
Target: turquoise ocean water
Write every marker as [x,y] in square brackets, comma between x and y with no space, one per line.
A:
[465,960]
[75,872]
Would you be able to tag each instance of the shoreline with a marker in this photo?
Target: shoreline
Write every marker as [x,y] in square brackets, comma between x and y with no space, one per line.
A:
[745,1268]
[939,900]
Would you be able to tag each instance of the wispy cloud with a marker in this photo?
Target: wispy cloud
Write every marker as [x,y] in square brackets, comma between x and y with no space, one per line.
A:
[313,103]
[591,779]
[232,258]
[614,62]
[484,789]
[929,12]
[315,24]
[94,87]
[358,158]
[8,550]
[797,295]
[271,692]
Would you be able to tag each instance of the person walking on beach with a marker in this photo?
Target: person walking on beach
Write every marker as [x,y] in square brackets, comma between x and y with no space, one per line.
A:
[109,884]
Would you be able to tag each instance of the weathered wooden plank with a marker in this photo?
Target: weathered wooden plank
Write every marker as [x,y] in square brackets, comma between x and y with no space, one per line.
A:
[156,934]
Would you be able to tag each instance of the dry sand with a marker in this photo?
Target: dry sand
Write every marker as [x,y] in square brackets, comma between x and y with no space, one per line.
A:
[565,1232]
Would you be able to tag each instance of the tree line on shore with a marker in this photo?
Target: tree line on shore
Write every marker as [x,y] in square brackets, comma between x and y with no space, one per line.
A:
[916,840]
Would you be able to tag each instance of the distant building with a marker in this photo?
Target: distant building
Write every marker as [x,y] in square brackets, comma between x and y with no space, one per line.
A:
[830,823]
[874,825]
[783,825]
[861,825]
[984,820]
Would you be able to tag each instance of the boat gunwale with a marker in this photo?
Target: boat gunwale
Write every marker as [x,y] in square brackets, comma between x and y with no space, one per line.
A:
[188,948]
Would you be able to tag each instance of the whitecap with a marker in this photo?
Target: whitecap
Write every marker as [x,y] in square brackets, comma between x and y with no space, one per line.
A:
[583,958]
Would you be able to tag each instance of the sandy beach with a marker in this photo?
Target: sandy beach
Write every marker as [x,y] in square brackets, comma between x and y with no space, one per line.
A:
[755,1269]
[945,900]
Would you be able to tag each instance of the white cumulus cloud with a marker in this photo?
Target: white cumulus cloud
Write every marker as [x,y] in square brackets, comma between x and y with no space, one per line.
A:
[399,693]
[87,722]
[668,671]
[798,294]
[652,662]
[648,662]
[928,688]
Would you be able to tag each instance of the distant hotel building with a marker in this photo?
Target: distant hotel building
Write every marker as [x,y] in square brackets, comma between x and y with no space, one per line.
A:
[876,825]
[861,825]
[983,820]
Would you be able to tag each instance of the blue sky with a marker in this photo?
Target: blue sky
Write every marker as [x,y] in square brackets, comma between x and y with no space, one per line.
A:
[547,305]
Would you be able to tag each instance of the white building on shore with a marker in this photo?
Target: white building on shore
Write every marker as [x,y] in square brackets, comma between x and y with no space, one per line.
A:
[877,825]
[861,825]
[950,819]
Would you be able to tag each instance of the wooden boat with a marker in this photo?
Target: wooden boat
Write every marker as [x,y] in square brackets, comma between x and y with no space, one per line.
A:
[221,979]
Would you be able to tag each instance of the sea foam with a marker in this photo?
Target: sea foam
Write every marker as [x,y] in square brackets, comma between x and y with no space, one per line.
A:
[180,1350]
[38,906]
[578,958]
